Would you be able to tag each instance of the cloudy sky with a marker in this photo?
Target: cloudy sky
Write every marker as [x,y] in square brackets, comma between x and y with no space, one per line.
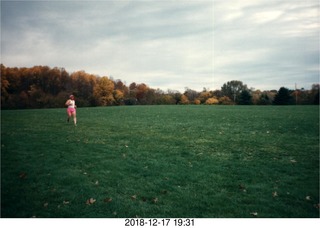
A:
[169,44]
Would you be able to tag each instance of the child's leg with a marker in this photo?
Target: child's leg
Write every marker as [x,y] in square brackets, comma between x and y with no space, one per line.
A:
[74,118]
[69,115]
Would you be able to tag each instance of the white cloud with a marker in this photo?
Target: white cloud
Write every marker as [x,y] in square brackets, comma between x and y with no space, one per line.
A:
[267,16]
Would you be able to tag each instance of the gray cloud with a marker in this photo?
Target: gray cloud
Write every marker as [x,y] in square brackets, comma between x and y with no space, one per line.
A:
[267,44]
[138,41]
[169,44]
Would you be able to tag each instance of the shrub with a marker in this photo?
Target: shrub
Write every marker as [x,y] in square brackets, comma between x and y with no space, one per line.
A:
[197,101]
[212,101]
[184,99]
[225,100]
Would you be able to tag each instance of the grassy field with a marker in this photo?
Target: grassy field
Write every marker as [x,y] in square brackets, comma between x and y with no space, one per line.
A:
[161,161]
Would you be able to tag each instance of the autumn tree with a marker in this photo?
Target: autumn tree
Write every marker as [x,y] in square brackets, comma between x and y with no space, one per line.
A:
[36,94]
[13,76]
[176,95]
[83,85]
[132,90]
[152,96]
[118,84]
[118,96]
[103,92]
[212,101]
[256,94]
[57,80]
[233,89]
[165,99]
[191,94]
[184,99]
[141,93]
[196,101]
[225,101]
[4,85]
[204,96]
[156,96]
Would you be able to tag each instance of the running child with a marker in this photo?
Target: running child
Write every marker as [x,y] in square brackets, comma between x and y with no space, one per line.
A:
[71,110]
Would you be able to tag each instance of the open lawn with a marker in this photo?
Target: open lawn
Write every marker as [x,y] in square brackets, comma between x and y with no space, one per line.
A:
[161,161]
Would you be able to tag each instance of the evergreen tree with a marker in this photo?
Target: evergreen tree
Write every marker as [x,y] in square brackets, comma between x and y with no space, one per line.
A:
[245,98]
[316,99]
[283,97]
[264,99]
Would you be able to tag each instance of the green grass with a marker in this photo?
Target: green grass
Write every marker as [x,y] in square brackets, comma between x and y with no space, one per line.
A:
[161,161]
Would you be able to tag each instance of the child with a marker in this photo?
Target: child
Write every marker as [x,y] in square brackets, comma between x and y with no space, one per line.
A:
[71,110]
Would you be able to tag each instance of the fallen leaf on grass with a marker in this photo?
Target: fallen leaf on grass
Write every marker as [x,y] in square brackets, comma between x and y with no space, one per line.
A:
[96,183]
[65,202]
[308,197]
[22,175]
[274,194]
[134,197]
[293,161]
[90,201]
[254,213]
[45,205]
[164,192]
[155,200]
[107,200]
[242,187]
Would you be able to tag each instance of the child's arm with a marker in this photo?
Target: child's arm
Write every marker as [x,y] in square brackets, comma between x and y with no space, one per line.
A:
[67,103]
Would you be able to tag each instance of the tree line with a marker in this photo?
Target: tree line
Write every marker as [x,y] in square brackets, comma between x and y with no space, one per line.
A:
[45,87]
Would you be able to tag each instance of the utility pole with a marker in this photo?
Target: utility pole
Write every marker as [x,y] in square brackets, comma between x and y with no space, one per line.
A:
[296,94]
